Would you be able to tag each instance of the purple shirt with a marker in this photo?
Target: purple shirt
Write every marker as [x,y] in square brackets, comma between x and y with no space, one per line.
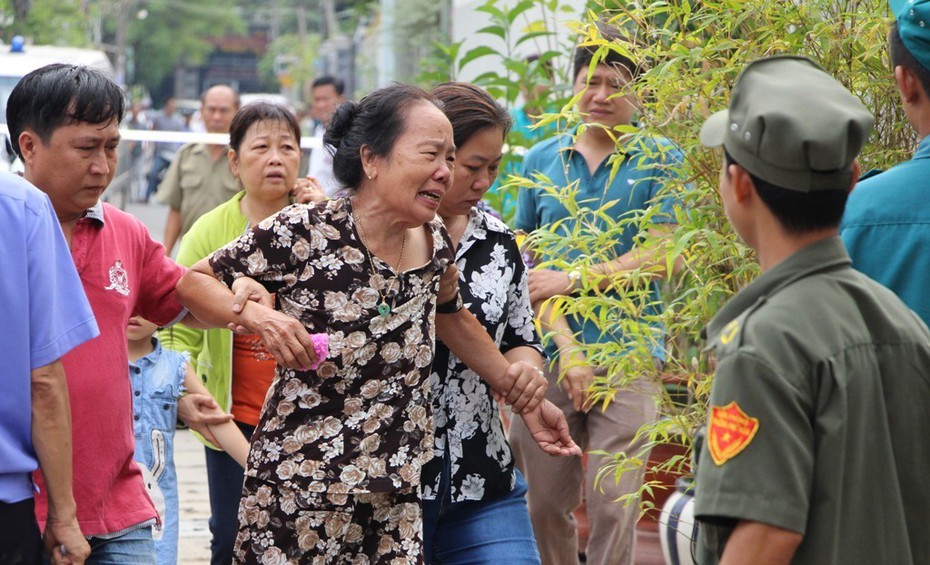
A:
[46,315]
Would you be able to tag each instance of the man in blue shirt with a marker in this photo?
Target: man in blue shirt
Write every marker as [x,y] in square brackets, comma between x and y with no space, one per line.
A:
[885,224]
[48,315]
[581,164]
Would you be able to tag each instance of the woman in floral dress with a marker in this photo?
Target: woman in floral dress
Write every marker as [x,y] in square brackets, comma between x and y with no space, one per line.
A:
[474,503]
[334,466]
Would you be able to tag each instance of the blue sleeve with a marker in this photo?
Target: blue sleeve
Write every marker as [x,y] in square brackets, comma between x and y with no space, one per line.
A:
[60,316]
[663,191]
[526,217]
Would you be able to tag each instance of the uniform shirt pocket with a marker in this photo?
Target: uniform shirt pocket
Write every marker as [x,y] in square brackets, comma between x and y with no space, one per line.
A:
[190,180]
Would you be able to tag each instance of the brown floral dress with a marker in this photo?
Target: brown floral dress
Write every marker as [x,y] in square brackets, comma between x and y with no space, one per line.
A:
[359,424]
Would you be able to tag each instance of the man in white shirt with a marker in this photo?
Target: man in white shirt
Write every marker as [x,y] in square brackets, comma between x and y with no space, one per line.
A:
[327,94]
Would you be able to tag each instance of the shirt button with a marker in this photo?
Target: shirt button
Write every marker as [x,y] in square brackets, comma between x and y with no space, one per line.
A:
[136,370]
[136,392]
[167,406]
[136,417]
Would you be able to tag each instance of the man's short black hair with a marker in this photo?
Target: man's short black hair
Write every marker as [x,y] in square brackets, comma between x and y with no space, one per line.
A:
[337,83]
[59,95]
[585,53]
[901,55]
[799,212]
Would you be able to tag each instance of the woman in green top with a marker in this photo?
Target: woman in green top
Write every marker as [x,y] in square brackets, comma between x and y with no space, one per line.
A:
[264,155]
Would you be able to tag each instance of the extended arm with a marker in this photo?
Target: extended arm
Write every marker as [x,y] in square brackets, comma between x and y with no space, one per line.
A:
[212,303]
[520,383]
[198,409]
[546,283]
[575,373]
[222,431]
[51,436]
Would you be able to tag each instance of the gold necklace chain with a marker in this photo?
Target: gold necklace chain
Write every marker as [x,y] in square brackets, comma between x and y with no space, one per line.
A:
[383,307]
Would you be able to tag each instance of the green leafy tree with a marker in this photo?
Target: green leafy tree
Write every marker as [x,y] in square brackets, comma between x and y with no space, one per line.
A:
[292,55]
[179,32]
[692,51]
[49,22]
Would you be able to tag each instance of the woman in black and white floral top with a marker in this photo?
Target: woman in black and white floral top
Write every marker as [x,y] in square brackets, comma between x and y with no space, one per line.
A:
[474,500]
[334,466]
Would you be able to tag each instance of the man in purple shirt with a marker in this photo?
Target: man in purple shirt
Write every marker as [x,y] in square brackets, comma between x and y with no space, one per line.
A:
[48,315]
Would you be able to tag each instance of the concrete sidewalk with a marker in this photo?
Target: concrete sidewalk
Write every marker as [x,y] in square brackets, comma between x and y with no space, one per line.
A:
[194,533]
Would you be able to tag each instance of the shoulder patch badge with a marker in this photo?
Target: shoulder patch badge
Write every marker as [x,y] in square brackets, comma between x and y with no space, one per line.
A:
[729,432]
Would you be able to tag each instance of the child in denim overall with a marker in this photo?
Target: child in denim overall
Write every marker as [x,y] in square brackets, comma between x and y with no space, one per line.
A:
[159,377]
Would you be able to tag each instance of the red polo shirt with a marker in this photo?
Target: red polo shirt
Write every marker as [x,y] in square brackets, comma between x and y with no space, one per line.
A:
[124,273]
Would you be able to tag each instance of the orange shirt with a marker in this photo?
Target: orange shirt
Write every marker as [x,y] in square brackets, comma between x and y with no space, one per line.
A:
[252,372]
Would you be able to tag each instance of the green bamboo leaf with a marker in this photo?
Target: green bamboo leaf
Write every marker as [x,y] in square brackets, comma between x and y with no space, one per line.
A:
[492,10]
[496,30]
[476,53]
[533,35]
[521,7]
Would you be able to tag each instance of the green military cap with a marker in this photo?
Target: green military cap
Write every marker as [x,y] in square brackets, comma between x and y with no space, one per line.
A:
[913,18]
[791,124]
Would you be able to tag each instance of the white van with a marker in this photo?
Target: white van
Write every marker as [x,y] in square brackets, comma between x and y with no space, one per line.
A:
[17,60]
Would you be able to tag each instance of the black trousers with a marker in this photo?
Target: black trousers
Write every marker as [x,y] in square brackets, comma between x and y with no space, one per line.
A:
[20,538]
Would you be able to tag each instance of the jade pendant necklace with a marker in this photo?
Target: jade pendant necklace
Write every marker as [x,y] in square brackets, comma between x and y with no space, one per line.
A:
[383,307]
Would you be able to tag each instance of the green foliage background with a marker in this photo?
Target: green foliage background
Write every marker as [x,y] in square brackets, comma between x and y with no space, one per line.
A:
[694,50]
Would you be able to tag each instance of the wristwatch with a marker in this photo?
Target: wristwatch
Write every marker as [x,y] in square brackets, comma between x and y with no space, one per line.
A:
[573,278]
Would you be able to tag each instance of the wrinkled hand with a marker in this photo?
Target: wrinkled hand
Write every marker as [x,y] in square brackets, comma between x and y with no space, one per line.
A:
[525,387]
[308,190]
[576,381]
[549,429]
[448,284]
[284,337]
[199,411]
[65,534]
[546,283]
[246,289]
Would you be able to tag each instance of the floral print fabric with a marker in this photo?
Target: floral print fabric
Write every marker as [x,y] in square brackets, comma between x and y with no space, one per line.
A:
[287,527]
[493,285]
[360,422]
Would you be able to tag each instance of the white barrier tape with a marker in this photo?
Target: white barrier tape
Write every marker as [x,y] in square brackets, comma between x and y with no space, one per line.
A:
[186,137]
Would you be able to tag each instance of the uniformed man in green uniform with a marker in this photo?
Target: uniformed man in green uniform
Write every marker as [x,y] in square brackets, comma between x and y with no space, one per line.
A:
[815,448]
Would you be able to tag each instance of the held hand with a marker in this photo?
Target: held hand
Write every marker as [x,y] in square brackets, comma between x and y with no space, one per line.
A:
[308,190]
[199,411]
[284,337]
[64,542]
[576,381]
[546,283]
[527,387]
[448,284]
[548,427]
[247,289]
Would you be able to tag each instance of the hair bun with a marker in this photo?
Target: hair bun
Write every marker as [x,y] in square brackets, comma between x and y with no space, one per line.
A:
[341,123]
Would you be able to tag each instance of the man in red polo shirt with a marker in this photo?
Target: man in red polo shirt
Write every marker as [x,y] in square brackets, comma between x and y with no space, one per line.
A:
[64,125]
